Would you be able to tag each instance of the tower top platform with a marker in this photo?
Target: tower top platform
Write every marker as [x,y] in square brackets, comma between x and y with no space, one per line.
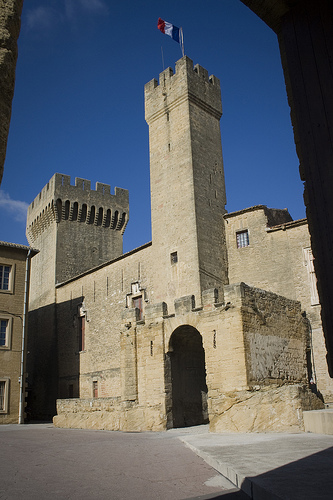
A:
[188,82]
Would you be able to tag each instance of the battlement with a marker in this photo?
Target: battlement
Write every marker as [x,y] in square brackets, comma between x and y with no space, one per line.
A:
[59,200]
[188,82]
[60,186]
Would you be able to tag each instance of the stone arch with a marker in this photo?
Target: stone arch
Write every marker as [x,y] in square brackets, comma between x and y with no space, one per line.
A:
[67,209]
[75,211]
[99,217]
[58,209]
[91,216]
[83,213]
[186,378]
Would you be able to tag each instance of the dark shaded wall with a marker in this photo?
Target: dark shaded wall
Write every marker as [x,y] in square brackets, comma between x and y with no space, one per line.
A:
[305,35]
[10,21]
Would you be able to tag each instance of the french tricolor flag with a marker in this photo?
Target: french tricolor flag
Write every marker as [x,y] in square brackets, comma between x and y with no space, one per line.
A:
[168,29]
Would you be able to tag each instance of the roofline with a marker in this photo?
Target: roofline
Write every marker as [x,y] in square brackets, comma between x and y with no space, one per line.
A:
[251,209]
[100,266]
[287,225]
[17,246]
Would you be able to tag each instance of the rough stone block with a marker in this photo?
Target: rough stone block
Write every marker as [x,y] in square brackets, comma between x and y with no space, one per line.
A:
[184,305]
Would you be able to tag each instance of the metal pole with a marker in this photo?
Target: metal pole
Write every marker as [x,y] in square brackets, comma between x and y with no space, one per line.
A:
[25,308]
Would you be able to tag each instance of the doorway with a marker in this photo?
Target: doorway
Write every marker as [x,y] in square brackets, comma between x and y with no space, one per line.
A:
[187,371]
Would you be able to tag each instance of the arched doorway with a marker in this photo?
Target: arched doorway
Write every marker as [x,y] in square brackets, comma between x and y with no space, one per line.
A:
[187,376]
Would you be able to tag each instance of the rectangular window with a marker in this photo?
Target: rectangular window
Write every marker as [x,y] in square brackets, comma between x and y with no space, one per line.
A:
[242,238]
[4,395]
[173,258]
[137,303]
[5,332]
[95,389]
[5,277]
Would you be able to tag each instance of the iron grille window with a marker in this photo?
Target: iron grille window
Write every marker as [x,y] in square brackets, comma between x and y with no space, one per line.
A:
[4,277]
[242,238]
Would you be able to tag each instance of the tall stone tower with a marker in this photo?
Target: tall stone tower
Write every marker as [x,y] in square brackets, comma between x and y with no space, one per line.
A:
[188,196]
[75,228]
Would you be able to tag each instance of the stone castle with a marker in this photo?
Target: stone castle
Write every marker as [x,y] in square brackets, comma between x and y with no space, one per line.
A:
[215,320]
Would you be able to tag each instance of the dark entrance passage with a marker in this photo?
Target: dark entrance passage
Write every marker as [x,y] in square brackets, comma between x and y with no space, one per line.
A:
[188,378]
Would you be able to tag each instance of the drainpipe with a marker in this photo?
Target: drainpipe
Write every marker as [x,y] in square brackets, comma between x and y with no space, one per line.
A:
[25,310]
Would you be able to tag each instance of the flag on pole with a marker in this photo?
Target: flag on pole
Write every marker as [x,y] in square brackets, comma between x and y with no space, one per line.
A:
[171,30]
[168,29]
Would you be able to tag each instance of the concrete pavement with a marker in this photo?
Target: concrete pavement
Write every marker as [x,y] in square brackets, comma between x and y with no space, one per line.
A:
[40,461]
[46,463]
[270,466]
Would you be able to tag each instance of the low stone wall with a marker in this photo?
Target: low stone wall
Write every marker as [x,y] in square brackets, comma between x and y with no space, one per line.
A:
[108,414]
[263,409]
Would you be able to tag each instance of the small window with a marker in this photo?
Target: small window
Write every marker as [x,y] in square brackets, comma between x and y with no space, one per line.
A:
[137,303]
[174,258]
[5,275]
[242,238]
[4,383]
[95,389]
[4,333]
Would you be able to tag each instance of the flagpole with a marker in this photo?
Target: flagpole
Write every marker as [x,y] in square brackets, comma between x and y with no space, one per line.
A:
[162,57]
[182,40]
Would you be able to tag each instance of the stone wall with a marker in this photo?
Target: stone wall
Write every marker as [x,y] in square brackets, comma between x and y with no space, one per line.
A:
[233,334]
[279,259]
[104,293]
[10,12]
[75,228]
[187,181]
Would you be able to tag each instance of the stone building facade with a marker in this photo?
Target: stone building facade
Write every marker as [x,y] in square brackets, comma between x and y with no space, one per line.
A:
[14,296]
[168,334]
[10,22]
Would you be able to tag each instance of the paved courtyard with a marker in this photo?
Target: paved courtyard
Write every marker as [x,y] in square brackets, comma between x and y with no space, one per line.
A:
[43,462]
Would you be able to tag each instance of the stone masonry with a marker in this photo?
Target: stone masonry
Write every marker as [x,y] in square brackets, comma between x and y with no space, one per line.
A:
[10,12]
[279,259]
[158,338]
[75,228]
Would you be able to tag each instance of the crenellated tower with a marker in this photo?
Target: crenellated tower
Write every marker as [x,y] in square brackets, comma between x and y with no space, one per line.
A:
[80,226]
[75,228]
[188,197]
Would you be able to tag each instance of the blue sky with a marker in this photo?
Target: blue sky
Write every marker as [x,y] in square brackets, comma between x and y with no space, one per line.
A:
[78,107]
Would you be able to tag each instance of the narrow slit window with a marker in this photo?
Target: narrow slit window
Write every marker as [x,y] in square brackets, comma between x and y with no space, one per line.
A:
[82,325]
[242,238]
[173,258]
[95,389]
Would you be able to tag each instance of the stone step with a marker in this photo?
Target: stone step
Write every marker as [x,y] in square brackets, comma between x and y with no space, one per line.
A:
[319,421]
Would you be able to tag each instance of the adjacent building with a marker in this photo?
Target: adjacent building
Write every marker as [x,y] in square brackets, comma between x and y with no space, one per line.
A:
[14,295]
